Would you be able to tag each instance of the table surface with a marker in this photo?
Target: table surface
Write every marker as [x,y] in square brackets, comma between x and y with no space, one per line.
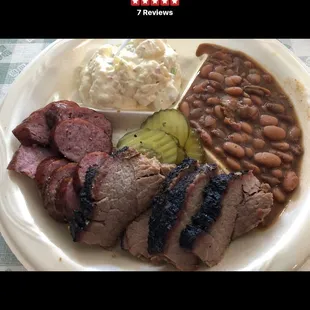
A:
[15,54]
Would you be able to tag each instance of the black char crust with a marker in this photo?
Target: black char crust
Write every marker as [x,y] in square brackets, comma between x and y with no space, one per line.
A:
[187,163]
[209,211]
[162,219]
[159,201]
[167,204]
[81,217]
[120,151]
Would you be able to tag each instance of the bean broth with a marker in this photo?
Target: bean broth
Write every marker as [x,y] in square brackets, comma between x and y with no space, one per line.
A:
[246,119]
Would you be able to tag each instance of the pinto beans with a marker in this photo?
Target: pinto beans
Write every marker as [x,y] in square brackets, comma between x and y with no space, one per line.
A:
[275,107]
[196,113]
[278,195]
[274,133]
[286,157]
[205,70]
[282,146]
[254,78]
[206,138]
[216,77]
[233,80]
[268,120]
[218,133]
[267,159]
[294,134]
[197,104]
[270,180]
[246,127]
[233,164]
[184,108]
[249,152]
[248,112]
[249,166]
[290,181]
[258,144]
[236,138]
[245,118]
[234,149]
[277,173]
[257,100]
[218,112]
[213,100]
[234,91]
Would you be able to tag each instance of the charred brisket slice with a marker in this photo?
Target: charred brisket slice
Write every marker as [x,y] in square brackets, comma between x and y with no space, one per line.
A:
[125,153]
[211,245]
[158,202]
[135,238]
[209,211]
[244,198]
[128,153]
[166,204]
[121,190]
[27,159]
[256,205]
[173,253]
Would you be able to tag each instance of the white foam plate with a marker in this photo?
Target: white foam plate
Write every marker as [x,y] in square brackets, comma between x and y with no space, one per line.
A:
[42,244]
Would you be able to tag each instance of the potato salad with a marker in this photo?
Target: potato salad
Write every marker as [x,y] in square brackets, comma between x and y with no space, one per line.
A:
[144,75]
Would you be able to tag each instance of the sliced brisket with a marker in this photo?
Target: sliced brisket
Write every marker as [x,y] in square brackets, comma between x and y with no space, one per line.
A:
[135,238]
[173,253]
[27,159]
[213,226]
[210,245]
[209,211]
[113,196]
[166,205]
[256,205]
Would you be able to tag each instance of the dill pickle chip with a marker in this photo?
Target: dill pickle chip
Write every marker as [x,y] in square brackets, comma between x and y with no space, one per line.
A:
[171,121]
[193,147]
[181,155]
[152,143]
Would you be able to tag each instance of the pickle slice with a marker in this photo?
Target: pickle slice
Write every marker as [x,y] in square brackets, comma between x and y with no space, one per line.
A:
[181,155]
[152,143]
[170,121]
[193,147]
